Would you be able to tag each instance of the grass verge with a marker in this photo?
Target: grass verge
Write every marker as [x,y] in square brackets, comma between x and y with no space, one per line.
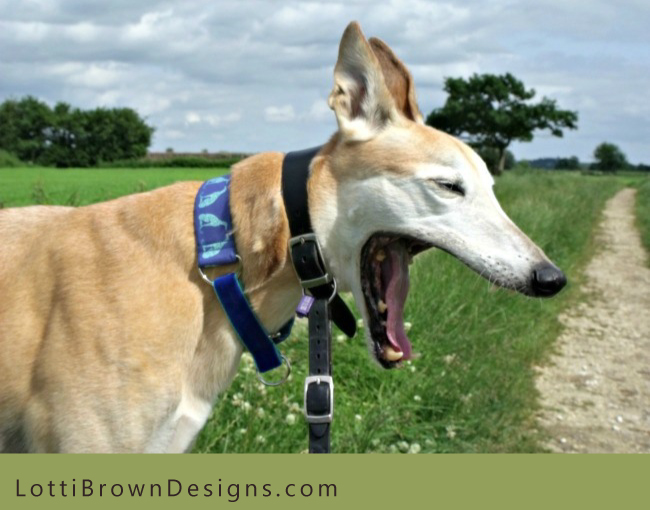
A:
[643,212]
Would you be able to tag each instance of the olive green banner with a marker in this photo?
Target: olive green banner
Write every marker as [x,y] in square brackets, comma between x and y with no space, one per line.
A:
[292,481]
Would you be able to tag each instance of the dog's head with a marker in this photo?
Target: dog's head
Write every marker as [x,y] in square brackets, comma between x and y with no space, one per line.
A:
[387,187]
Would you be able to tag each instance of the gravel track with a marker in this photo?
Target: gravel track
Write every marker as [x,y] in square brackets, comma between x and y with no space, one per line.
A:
[595,393]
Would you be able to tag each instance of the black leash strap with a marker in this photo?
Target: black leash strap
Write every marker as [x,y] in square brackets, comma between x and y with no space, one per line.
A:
[317,280]
[319,388]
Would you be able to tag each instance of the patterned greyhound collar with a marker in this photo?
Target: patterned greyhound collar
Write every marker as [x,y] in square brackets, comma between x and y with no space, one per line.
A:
[215,246]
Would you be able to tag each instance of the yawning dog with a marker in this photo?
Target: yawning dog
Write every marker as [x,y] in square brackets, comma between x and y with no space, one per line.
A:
[110,341]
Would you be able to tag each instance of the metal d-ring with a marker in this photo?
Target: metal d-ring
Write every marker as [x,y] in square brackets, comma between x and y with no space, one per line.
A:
[210,282]
[281,381]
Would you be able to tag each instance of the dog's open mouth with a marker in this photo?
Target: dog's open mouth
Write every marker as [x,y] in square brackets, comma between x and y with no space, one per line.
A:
[385,283]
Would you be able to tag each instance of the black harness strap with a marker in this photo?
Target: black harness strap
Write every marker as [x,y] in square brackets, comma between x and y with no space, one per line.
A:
[304,248]
[317,280]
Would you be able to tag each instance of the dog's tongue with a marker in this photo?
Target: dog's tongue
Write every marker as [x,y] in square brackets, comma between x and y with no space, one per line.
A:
[395,273]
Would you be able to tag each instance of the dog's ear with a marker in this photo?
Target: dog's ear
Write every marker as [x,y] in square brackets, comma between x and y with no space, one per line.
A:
[360,98]
[398,79]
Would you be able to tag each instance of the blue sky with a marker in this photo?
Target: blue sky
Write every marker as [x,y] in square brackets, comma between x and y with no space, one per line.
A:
[253,75]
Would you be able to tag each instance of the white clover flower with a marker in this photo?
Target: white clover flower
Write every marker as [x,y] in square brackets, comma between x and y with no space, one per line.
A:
[417,398]
[407,327]
[246,406]
[294,407]
[392,449]
[451,431]
[412,369]
[359,323]
[340,338]
[242,431]
[449,358]
[375,442]
[403,446]
[430,442]
[414,448]
[290,419]
[357,417]
[260,412]
[260,439]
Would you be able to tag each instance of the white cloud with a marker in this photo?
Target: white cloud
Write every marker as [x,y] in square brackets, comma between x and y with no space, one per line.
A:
[82,32]
[192,118]
[213,120]
[283,113]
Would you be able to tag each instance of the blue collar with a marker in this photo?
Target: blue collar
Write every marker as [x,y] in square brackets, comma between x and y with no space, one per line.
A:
[215,245]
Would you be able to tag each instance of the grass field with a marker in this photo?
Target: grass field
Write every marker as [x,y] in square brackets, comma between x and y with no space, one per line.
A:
[25,186]
[472,389]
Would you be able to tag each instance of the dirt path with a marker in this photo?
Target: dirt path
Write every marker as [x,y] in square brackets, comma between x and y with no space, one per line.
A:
[596,391]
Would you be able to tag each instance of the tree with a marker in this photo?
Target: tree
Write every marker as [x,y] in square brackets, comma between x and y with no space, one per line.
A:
[24,128]
[572,163]
[492,111]
[609,158]
[68,131]
[491,157]
[65,136]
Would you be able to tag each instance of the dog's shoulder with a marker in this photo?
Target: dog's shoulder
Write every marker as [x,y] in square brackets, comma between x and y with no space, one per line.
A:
[261,229]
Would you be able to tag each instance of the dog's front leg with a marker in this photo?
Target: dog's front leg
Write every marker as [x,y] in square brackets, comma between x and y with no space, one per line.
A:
[189,419]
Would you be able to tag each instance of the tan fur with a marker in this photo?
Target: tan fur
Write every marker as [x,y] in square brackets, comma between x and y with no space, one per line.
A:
[109,339]
[398,80]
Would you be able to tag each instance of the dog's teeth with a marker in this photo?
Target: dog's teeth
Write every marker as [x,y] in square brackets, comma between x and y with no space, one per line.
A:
[381,306]
[380,256]
[391,354]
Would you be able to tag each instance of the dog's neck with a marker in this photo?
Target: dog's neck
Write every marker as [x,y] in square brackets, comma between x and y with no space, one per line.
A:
[261,232]
[262,229]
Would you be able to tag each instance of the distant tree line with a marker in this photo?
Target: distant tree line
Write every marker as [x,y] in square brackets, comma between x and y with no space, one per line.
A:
[608,157]
[65,136]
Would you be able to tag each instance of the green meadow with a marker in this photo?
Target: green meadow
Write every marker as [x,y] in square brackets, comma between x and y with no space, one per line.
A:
[472,388]
[40,185]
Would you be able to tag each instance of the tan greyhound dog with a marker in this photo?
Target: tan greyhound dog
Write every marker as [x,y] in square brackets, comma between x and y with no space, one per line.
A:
[111,342]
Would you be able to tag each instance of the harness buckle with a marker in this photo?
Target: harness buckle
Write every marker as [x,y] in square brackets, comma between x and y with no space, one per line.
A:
[312,282]
[317,380]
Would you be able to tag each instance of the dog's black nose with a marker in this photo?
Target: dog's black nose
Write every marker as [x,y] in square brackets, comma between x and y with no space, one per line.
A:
[548,280]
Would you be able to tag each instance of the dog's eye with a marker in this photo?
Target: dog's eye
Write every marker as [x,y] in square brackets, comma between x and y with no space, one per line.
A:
[453,187]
